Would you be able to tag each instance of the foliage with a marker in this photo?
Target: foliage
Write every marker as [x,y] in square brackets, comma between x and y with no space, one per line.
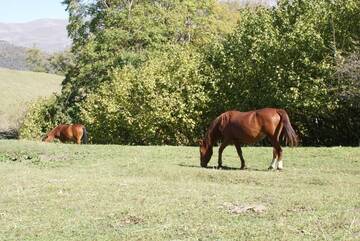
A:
[61,62]
[12,57]
[344,119]
[56,63]
[130,56]
[41,117]
[108,35]
[36,60]
[284,57]
[161,103]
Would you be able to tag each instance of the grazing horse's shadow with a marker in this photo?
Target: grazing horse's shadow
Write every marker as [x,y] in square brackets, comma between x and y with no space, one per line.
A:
[226,168]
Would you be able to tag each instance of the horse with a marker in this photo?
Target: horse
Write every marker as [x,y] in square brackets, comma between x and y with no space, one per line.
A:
[238,128]
[76,133]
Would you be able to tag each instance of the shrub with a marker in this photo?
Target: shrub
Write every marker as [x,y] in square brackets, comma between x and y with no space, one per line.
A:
[161,103]
[41,117]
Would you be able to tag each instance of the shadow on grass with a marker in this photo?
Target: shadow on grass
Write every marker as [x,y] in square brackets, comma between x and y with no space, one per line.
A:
[9,134]
[226,168]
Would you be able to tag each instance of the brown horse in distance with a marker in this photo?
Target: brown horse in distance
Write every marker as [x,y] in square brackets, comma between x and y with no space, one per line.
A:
[76,133]
[234,127]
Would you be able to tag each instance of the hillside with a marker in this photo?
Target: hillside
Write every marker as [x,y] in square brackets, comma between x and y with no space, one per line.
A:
[49,35]
[19,87]
[12,57]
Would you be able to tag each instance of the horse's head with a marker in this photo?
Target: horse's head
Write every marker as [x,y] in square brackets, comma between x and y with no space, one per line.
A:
[205,152]
[47,138]
[44,138]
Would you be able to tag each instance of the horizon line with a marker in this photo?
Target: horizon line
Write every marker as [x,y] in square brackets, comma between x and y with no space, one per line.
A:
[33,20]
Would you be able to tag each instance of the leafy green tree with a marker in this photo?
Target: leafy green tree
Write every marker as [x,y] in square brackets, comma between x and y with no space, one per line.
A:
[61,62]
[284,57]
[36,60]
[108,35]
[156,72]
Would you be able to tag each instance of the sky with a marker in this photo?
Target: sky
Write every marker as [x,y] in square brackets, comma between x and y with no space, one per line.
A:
[16,11]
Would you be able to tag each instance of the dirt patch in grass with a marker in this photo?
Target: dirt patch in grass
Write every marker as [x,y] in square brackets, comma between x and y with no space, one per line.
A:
[33,158]
[118,222]
[235,208]
[130,219]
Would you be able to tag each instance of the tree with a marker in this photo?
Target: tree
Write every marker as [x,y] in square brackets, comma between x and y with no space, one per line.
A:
[285,57]
[109,35]
[36,60]
[61,62]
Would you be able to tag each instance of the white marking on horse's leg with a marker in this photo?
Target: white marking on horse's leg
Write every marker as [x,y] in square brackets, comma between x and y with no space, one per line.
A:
[280,165]
[273,164]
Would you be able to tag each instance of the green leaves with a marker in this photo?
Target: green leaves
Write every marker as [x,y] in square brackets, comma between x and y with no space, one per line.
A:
[157,72]
[161,103]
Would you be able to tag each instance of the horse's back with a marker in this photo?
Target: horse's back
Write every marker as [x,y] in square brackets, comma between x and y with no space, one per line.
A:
[239,126]
[71,132]
[77,130]
[248,127]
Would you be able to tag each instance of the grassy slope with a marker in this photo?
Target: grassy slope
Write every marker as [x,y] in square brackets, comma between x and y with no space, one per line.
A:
[19,87]
[69,192]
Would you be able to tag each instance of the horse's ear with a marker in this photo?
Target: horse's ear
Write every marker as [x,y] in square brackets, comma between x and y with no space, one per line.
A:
[201,142]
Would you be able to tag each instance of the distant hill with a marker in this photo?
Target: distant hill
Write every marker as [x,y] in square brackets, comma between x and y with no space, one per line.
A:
[12,57]
[49,35]
[18,88]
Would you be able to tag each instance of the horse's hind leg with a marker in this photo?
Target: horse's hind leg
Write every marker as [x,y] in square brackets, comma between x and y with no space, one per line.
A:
[239,151]
[277,162]
[279,156]
[273,163]
[78,140]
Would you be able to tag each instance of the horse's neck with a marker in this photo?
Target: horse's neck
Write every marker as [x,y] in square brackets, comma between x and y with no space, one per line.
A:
[53,132]
[212,139]
[213,132]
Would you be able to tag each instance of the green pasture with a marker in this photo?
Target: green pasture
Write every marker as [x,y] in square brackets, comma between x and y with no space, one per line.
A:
[17,88]
[111,192]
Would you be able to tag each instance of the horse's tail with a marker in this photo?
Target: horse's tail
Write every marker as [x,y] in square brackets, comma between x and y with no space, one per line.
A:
[84,138]
[289,133]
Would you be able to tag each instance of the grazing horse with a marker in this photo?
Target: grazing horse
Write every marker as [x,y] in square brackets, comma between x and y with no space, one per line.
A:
[76,133]
[234,127]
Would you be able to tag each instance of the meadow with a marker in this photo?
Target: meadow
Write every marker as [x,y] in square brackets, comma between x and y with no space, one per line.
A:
[18,88]
[112,192]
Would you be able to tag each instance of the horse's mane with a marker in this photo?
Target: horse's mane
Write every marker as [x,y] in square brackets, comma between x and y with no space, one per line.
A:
[212,133]
[53,130]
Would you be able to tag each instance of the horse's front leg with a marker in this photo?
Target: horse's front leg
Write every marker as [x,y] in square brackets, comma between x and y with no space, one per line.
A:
[221,149]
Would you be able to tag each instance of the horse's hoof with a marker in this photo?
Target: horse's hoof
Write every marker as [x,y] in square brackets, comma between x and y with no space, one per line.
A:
[219,167]
[243,168]
[270,168]
[279,169]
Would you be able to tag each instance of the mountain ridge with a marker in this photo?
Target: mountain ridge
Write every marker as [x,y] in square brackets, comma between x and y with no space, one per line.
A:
[47,34]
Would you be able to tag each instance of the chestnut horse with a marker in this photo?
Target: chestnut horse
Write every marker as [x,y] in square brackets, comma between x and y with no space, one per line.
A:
[234,127]
[76,133]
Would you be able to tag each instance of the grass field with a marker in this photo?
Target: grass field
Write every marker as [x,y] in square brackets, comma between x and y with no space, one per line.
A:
[98,192]
[19,87]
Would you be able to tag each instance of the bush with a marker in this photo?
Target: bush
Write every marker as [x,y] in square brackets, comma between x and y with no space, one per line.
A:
[285,57]
[40,118]
[161,103]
